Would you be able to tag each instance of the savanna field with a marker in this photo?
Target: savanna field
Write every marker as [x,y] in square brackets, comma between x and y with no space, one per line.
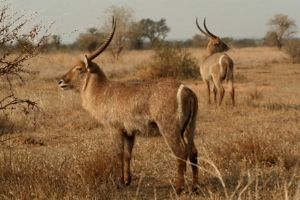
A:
[250,151]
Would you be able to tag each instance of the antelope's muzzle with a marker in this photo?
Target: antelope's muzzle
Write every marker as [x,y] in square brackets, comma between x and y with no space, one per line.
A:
[63,85]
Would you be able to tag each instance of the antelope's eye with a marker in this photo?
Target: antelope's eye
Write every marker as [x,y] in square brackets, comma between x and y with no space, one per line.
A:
[78,68]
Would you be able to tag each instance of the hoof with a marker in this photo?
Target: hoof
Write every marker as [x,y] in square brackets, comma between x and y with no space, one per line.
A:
[179,190]
[127,181]
[120,186]
[119,183]
[196,189]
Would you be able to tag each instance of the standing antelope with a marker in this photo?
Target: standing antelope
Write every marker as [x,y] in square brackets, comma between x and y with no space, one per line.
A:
[130,107]
[217,66]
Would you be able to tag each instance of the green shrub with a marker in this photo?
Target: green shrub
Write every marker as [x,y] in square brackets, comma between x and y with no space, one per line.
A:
[169,61]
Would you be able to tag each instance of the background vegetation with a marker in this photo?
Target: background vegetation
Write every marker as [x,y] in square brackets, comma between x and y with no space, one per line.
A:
[58,151]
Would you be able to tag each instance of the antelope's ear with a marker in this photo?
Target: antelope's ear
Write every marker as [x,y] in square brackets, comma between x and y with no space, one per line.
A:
[87,62]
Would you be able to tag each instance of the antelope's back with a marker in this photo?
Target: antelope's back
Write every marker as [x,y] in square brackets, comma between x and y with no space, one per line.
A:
[212,65]
[132,105]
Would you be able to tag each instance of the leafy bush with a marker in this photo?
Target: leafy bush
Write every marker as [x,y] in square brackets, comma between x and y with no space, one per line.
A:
[169,61]
[89,41]
[199,41]
[292,48]
[270,39]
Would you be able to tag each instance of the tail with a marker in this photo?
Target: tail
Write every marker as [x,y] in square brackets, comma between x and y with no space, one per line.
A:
[190,100]
[227,63]
[229,72]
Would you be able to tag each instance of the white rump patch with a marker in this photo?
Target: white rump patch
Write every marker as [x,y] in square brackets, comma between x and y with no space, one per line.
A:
[179,101]
[220,60]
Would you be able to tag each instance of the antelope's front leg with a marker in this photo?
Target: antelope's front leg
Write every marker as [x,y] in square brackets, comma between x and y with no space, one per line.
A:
[118,142]
[128,146]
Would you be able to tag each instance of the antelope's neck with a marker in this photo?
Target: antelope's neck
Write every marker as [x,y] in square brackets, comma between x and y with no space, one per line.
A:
[93,84]
[207,54]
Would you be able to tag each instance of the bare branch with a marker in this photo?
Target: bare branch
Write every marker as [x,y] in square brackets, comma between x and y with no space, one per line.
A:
[10,101]
[19,42]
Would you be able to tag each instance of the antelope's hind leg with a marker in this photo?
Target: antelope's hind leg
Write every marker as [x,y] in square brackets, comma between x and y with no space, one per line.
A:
[174,141]
[232,92]
[181,155]
[220,90]
[208,90]
[215,93]
[193,157]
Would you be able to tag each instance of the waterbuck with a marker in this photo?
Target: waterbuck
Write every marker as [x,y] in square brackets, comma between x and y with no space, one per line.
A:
[126,108]
[217,66]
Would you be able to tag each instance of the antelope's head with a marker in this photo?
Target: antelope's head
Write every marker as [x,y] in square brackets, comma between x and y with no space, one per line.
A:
[75,76]
[215,44]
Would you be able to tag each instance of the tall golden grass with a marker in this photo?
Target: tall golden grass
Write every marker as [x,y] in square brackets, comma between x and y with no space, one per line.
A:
[250,151]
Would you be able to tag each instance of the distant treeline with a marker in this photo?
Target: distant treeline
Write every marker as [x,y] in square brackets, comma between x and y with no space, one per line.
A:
[147,34]
[90,41]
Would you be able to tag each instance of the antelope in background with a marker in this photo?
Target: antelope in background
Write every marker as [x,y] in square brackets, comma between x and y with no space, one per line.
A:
[129,107]
[217,66]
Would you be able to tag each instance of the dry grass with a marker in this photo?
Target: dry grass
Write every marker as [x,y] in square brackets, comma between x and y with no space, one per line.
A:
[250,151]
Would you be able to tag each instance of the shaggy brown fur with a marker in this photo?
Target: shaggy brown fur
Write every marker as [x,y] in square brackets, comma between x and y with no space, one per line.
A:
[129,107]
[217,66]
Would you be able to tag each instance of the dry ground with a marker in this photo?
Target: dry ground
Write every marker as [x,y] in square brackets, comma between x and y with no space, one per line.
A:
[250,151]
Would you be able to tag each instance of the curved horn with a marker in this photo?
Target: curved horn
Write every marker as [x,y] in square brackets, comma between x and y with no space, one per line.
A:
[211,35]
[200,28]
[105,44]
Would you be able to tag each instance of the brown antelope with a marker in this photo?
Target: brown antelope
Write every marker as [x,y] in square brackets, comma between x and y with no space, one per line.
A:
[129,107]
[217,66]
